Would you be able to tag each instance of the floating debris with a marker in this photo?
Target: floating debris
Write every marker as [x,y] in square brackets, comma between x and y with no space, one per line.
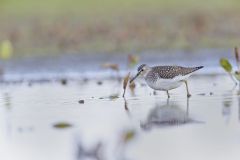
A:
[114,96]
[62,125]
[202,94]
[81,101]
[111,97]
[63,81]
[125,82]
[85,80]
[30,84]
[99,83]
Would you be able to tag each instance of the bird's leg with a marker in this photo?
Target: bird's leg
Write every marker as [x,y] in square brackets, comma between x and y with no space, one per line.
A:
[168,101]
[188,94]
[187,106]
[168,94]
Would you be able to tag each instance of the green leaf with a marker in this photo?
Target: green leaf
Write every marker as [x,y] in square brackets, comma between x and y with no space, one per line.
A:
[6,50]
[62,125]
[225,64]
[129,135]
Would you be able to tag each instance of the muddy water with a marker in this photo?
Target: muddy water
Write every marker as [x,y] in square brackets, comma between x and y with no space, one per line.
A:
[205,126]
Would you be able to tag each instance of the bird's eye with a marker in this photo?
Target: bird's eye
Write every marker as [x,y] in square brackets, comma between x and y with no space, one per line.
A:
[142,70]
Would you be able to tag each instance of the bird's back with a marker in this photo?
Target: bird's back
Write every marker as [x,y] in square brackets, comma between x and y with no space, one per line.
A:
[168,77]
[169,72]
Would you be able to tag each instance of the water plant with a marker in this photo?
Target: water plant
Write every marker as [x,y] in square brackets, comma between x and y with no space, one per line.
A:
[227,66]
[125,82]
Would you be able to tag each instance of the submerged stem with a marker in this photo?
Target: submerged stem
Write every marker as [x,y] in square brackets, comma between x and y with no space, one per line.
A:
[233,79]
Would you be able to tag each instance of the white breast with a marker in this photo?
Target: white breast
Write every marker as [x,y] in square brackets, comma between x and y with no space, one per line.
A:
[167,84]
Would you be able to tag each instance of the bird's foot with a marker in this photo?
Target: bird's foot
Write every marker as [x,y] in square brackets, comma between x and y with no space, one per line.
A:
[189,95]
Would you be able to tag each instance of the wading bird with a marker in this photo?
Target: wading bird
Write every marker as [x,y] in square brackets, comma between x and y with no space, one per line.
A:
[165,78]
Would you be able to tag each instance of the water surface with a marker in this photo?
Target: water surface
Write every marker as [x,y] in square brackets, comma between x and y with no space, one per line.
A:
[205,126]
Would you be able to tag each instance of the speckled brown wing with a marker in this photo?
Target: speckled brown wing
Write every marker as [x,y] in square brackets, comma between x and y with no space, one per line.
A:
[169,72]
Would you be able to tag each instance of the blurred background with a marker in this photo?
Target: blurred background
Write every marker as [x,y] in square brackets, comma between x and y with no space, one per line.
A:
[63,64]
[54,27]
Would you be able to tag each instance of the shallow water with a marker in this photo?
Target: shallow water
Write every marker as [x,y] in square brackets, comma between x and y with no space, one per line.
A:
[205,126]
[88,65]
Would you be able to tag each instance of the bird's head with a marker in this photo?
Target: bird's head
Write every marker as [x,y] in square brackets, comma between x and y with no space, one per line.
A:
[142,70]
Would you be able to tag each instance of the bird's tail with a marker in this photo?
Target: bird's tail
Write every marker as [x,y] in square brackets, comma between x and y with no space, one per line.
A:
[192,69]
[196,68]
[200,67]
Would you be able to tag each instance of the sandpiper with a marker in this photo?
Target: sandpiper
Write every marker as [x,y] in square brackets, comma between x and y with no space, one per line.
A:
[165,78]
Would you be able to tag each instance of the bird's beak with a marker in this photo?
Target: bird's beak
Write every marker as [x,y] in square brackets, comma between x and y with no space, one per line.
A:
[135,77]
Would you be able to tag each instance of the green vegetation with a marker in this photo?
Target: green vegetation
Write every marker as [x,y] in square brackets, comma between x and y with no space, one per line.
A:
[6,50]
[62,125]
[227,66]
[25,7]
[90,26]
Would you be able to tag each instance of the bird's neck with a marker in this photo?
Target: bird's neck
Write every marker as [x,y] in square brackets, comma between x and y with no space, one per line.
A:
[146,73]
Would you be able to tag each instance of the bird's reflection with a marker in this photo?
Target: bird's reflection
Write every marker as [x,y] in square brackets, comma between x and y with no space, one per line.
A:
[93,153]
[165,115]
